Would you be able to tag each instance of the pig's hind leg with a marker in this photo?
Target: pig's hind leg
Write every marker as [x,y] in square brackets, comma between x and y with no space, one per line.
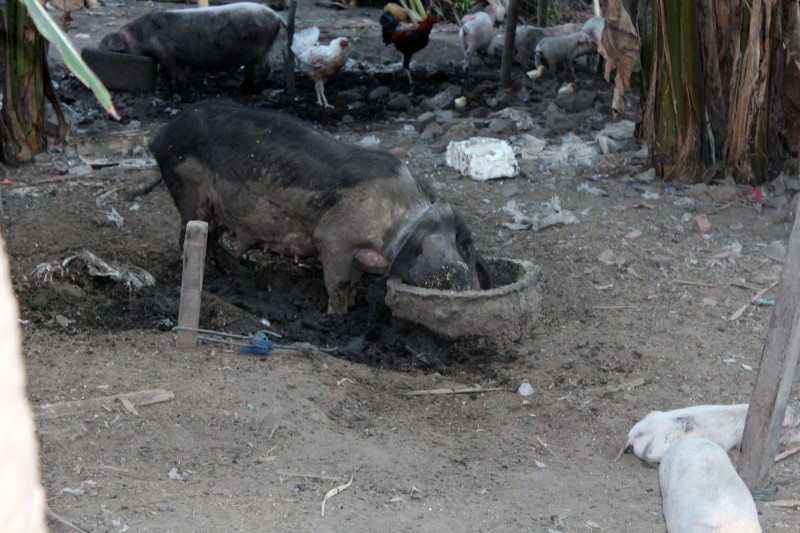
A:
[255,76]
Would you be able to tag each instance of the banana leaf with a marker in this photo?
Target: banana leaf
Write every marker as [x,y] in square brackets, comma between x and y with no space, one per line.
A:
[50,31]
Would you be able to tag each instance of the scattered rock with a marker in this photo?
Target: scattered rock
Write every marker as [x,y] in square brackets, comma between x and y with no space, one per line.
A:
[400,102]
[423,120]
[522,120]
[775,251]
[607,257]
[500,125]
[432,131]
[443,99]
[460,131]
[558,122]
[723,193]
[647,175]
[379,93]
[577,102]
[701,224]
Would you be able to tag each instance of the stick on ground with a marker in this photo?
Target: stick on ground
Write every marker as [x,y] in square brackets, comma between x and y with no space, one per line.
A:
[465,390]
[336,490]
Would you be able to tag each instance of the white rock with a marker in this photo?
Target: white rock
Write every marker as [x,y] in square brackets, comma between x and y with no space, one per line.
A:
[482,158]
[370,141]
[775,251]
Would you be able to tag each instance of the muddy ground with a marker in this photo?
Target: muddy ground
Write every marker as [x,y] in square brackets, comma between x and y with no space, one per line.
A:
[636,316]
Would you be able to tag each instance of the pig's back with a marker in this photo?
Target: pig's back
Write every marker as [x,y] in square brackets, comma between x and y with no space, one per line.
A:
[241,144]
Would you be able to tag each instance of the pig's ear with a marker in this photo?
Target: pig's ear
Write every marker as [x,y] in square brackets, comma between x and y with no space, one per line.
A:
[484,274]
[113,42]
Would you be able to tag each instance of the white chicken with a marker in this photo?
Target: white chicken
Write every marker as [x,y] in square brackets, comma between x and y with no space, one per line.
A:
[319,62]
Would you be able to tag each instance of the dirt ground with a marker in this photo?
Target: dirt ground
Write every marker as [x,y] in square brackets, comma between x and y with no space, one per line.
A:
[635,317]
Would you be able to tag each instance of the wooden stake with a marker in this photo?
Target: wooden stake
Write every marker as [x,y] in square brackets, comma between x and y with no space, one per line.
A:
[194,261]
[508,45]
[775,374]
[290,88]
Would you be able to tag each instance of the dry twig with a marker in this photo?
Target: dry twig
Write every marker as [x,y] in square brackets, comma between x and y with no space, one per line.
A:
[758,295]
[336,490]
[464,390]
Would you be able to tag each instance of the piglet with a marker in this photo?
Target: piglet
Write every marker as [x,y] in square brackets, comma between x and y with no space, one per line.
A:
[701,491]
[475,35]
[594,28]
[653,435]
[528,37]
[563,49]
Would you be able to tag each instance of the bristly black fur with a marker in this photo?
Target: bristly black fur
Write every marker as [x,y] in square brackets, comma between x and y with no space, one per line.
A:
[277,142]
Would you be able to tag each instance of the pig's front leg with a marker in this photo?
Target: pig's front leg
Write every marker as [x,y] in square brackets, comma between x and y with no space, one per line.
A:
[336,265]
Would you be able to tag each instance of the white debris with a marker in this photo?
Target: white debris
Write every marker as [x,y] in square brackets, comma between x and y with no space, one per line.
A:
[620,130]
[521,119]
[173,474]
[370,141]
[115,217]
[650,195]
[608,145]
[732,250]
[596,191]
[482,158]
[133,277]
[544,215]
[525,389]
[574,151]
[107,197]
[530,146]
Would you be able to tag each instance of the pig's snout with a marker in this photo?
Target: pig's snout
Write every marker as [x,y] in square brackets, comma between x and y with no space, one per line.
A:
[457,277]
[441,266]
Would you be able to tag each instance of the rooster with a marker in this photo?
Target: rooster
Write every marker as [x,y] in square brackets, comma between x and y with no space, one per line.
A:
[319,62]
[407,42]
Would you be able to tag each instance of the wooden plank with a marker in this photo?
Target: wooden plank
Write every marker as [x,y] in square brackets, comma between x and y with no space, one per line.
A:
[775,374]
[140,398]
[194,261]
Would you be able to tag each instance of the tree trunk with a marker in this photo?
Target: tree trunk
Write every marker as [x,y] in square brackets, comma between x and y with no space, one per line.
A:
[745,151]
[674,109]
[719,87]
[22,120]
[541,13]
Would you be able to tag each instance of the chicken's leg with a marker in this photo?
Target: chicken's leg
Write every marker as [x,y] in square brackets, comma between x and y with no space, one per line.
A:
[319,85]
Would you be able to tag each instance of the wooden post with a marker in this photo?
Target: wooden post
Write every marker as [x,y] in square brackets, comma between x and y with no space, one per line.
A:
[194,262]
[290,89]
[508,45]
[202,3]
[541,13]
[775,374]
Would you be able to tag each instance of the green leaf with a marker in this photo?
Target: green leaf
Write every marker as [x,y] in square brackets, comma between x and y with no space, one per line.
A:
[50,31]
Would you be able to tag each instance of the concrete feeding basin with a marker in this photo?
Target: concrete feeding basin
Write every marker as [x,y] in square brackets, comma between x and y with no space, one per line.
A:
[509,310]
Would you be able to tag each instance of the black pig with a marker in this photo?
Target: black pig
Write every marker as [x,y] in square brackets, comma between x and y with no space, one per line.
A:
[273,181]
[215,38]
